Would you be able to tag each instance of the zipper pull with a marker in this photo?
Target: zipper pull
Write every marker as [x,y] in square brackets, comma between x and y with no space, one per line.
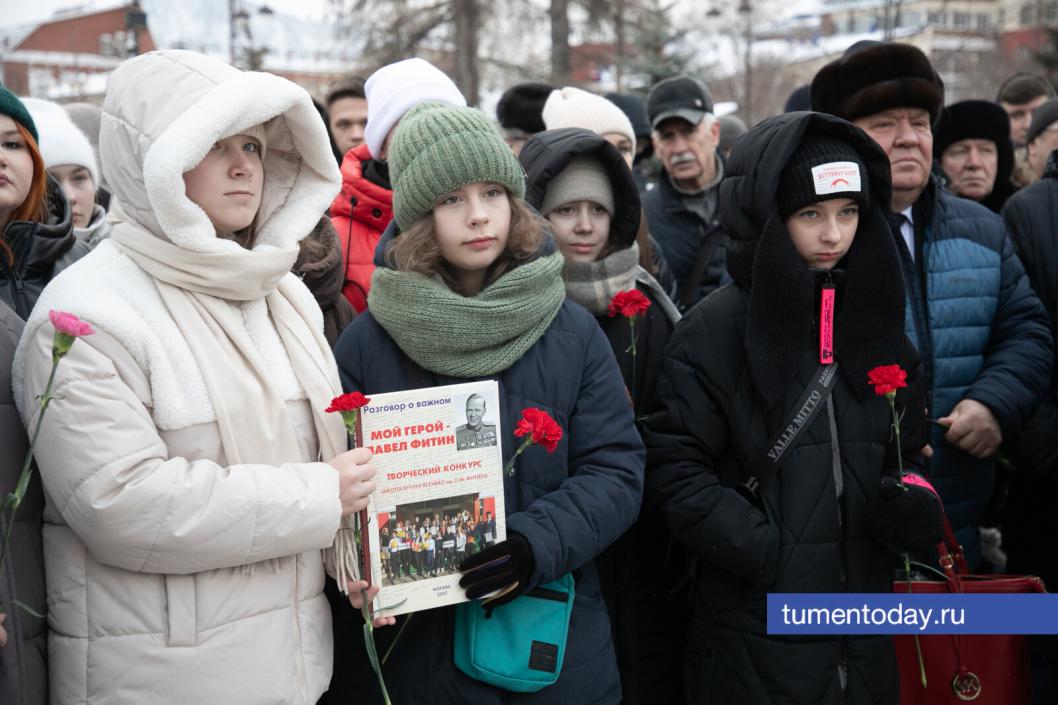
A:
[826,322]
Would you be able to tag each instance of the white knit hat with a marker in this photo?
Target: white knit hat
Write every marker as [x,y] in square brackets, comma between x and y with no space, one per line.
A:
[394,89]
[572,107]
[61,142]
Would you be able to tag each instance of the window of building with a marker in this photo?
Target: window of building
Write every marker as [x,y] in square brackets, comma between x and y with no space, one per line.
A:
[961,20]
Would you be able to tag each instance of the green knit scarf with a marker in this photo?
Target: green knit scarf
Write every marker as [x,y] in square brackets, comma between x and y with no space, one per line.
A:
[468,337]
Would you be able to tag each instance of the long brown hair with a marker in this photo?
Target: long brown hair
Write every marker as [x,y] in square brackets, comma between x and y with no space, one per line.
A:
[35,206]
[416,249]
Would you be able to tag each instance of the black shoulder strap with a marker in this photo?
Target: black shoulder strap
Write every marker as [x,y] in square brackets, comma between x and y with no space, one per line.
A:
[766,465]
[710,241]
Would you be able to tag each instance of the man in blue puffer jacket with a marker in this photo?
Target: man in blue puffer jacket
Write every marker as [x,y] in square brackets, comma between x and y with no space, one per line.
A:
[982,333]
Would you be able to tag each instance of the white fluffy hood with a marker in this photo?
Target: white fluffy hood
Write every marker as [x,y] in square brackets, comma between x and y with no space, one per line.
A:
[165,109]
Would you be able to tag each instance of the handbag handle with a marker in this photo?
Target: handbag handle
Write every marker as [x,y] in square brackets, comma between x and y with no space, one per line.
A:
[952,557]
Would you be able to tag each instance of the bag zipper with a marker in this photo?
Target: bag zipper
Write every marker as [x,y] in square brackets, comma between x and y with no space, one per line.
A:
[548,594]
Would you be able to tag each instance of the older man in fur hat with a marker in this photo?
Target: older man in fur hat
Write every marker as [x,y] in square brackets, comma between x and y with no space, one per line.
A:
[976,154]
[981,331]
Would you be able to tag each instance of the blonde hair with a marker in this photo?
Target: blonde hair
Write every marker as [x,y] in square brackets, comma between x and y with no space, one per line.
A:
[416,249]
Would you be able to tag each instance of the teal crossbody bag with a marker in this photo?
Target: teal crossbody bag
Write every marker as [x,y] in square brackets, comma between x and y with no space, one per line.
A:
[521,646]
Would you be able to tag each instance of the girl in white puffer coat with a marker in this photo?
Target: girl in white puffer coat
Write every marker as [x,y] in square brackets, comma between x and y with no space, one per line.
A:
[187,506]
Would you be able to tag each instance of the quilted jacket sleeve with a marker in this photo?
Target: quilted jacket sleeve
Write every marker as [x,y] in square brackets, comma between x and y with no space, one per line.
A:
[1019,356]
[108,473]
[686,437]
[601,497]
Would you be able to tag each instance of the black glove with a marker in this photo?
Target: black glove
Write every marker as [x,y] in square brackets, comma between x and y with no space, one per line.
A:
[506,566]
[906,519]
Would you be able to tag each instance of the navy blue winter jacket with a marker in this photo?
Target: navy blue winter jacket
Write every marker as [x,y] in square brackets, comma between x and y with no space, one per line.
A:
[982,334]
[569,505]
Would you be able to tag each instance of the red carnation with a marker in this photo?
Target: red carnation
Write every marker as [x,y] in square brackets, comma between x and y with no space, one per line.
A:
[347,402]
[536,426]
[887,379]
[629,304]
[539,425]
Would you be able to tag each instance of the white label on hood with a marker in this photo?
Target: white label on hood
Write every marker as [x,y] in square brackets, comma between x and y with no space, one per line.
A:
[836,177]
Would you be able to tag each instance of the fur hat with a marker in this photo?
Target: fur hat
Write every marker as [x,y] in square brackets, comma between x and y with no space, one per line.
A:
[395,89]
[878,77]
[521,107]
[572,107]
[61,141]
[438,148]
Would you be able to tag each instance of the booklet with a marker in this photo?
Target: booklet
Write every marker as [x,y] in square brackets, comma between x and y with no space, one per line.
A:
[439,494]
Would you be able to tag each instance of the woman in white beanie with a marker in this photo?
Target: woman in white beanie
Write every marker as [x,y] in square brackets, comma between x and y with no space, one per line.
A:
[187,502]
[70,160]
[573,107]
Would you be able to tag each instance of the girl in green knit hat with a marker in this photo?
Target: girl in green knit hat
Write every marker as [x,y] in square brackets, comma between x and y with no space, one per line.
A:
[469,287]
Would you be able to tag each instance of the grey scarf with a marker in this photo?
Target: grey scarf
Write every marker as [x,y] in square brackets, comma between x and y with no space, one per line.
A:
[593,284]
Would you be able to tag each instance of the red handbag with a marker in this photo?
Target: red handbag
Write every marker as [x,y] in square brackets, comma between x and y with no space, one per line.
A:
[987,669]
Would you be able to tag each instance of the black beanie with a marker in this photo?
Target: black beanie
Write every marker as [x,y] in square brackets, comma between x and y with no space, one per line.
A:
[821,168]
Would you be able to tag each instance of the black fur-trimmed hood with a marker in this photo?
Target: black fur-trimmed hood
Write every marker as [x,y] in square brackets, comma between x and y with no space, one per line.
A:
[761,257]
[547,154]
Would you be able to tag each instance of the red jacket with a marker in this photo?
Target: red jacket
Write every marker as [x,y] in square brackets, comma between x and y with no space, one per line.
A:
[360,212]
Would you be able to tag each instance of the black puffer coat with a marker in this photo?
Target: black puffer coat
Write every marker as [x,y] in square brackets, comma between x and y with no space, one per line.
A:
[735,367]
[24,661]
[41,251]
[1031,217]
[648,617]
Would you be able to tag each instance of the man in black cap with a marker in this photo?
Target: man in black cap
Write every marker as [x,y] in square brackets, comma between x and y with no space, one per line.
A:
[682,209]
[982,334]
[974,150]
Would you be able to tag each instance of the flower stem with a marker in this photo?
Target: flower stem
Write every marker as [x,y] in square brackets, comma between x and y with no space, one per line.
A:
[918,646]
[13,500]
[632,349]
[509,467]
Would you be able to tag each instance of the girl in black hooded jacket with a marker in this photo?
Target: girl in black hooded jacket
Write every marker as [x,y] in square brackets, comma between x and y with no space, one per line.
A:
[803,204]
[583,186]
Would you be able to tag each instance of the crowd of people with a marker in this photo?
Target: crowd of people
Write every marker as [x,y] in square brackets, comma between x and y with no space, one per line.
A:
[429,545]
[244,254]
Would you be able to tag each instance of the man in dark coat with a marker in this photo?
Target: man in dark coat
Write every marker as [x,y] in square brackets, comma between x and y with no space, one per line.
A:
[1030,525]
[981,331]
[23,660]
[682,209]
[974,150]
